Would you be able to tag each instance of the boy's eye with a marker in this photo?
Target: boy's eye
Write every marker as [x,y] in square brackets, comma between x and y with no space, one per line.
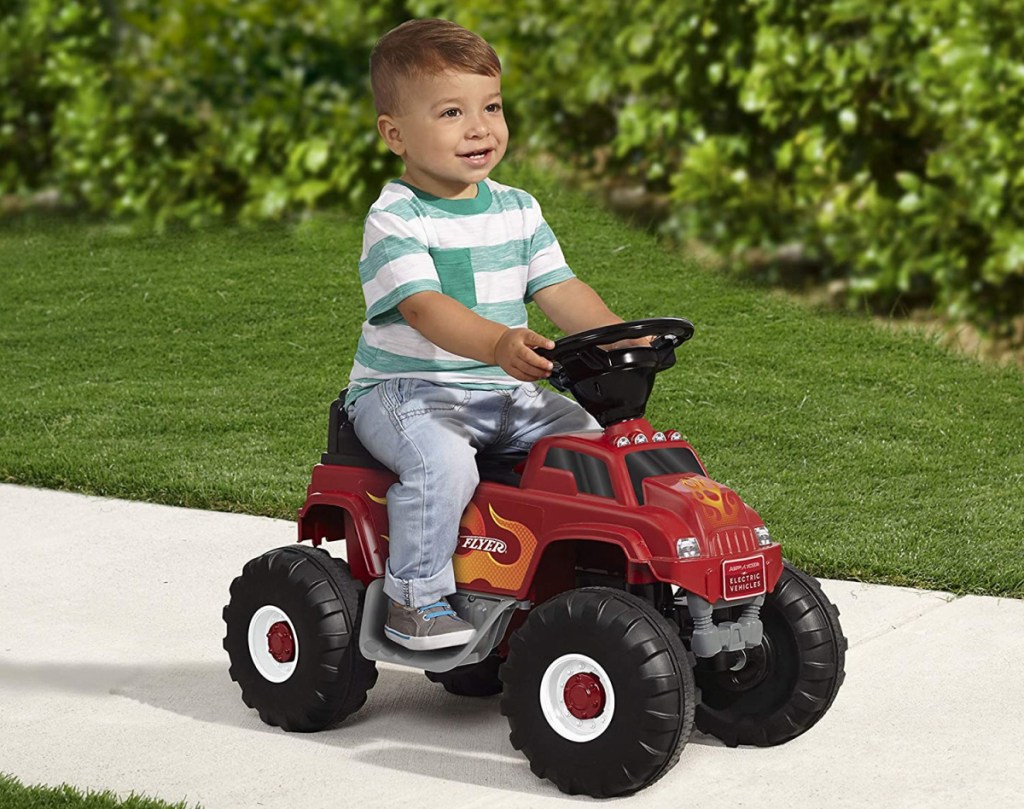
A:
[493,108]
[451,112]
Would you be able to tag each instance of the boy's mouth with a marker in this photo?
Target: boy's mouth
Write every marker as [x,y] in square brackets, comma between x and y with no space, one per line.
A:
[477,158]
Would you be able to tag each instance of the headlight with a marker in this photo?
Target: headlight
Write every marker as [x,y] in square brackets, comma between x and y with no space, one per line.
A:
[764,539]
[622,441]
[658,436]
[687,548]
[639,438]
[675,435]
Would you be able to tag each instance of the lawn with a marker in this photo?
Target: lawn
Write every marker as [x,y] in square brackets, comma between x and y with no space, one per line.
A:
[15,795]
[196,369]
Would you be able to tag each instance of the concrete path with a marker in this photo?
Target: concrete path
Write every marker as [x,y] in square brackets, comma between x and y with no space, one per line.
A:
[112,676]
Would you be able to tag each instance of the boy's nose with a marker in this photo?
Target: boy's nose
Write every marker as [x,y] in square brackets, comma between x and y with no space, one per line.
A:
[477,128]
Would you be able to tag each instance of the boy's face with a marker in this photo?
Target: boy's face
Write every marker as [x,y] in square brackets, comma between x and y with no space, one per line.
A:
[451,132]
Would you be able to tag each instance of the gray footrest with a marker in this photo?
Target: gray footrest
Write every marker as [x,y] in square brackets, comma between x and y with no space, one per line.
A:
[489,614]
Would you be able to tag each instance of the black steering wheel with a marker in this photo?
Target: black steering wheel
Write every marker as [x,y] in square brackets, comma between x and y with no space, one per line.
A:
[580,356]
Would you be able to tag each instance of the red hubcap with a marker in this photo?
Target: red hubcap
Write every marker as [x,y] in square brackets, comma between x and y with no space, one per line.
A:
[281,642]
[584,696]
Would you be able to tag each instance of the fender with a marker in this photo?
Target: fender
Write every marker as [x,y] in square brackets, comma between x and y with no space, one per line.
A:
[629,539]
[363,538]
[635,552]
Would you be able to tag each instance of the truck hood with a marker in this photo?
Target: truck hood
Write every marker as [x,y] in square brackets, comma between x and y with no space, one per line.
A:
[723,524]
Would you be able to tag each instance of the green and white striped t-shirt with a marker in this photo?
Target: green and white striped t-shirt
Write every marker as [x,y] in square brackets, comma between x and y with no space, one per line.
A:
[491,253]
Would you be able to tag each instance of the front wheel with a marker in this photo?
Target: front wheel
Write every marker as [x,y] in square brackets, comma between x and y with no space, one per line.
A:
[788,682]
[598,692]
[292,637]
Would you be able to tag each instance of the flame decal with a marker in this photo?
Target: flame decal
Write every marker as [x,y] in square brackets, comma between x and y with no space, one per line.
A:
[483,565]
[383,501]
[472,520]
[717,506]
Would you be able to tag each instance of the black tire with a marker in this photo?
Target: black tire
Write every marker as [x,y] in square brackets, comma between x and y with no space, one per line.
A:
[475,680]
[651,681]
[327,678]
[790,681]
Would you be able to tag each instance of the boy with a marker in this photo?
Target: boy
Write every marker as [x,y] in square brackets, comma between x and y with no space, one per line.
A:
[445,366]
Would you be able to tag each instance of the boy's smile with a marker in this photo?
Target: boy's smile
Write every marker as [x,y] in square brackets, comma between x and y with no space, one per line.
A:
[451,132]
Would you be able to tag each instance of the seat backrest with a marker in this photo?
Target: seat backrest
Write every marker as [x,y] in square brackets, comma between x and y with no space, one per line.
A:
[345,449]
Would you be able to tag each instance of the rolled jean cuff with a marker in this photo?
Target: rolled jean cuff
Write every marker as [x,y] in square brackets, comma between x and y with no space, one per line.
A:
[420,592]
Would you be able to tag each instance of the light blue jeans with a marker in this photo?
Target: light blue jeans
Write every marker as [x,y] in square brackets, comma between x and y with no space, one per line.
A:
[429,435]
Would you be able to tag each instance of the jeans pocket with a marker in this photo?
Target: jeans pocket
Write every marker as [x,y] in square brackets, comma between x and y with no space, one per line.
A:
[394,394]
[421,398]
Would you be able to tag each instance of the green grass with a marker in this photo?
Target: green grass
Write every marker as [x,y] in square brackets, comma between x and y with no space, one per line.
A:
[15,795]
[196,369]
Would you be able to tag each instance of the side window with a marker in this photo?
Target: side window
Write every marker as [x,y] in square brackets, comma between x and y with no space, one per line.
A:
[591,474]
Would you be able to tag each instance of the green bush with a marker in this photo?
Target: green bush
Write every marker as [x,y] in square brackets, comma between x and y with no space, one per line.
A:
[188,110]
[48,50]
[882,141]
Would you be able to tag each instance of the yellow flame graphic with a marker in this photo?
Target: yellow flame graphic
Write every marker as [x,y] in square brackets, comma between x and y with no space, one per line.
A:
[483,565]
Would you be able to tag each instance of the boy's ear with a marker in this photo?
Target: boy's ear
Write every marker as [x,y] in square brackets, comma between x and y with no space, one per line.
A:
[392,135]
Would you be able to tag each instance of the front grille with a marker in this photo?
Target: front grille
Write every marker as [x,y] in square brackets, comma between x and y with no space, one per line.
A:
[730,541]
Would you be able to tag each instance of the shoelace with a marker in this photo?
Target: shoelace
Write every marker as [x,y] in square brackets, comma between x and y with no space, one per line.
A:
[443,606]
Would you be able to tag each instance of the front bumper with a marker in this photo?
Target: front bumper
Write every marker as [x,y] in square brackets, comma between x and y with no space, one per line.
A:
[703,575]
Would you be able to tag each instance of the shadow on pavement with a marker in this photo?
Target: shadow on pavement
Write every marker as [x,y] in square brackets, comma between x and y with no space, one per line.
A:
[425,730]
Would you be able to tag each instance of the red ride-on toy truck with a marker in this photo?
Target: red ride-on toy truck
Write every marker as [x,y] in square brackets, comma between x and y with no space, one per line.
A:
[619,594]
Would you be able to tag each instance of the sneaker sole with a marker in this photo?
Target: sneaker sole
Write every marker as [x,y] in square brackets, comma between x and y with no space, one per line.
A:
[427,643]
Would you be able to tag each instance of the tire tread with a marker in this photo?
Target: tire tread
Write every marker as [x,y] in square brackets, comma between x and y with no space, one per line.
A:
[342,676]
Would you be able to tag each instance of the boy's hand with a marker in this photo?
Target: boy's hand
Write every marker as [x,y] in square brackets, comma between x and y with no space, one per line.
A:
[632,342]
[514,353]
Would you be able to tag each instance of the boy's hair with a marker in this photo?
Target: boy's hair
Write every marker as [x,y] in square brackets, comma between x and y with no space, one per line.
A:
[425,48]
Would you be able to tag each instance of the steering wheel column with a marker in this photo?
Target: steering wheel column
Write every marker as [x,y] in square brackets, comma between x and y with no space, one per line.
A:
[614,385]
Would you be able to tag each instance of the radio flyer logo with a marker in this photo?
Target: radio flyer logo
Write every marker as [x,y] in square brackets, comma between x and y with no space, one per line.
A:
[485,544]
[499,556]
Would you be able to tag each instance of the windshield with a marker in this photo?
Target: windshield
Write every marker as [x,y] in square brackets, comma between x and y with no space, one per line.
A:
[647,463]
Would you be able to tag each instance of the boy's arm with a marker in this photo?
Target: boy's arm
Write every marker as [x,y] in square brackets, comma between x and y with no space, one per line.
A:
[573,306]
[455,328]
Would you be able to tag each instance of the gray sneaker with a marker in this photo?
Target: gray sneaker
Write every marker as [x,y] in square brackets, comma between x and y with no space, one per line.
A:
[435,626]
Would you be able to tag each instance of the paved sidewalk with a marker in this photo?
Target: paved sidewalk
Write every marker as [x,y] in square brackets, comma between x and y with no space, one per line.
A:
[112,676]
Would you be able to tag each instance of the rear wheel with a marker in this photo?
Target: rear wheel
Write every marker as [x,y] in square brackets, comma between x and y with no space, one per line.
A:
[292,638]
[598,693]
[787,683]
[475,680]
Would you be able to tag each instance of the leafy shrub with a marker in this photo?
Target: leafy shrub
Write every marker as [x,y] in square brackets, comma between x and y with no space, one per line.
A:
[884,141]
[48,50]
[191,109]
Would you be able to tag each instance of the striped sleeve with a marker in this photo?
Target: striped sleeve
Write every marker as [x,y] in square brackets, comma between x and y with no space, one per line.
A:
[395,264]
[547,263]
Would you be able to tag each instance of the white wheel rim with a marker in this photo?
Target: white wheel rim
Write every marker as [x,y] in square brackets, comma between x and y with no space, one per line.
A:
[552,699]
[259,649]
